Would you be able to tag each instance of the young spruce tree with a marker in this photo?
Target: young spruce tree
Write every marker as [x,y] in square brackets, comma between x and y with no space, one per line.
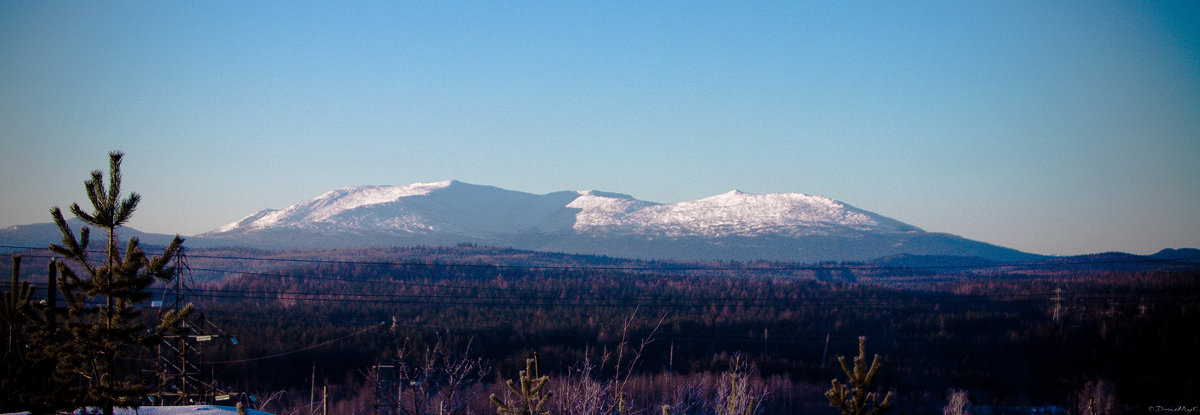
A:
[101,293]
[29,377]
[17,312]
[853,397]
[530,400]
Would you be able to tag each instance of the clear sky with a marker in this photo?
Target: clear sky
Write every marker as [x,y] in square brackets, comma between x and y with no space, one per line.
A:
[1047,126]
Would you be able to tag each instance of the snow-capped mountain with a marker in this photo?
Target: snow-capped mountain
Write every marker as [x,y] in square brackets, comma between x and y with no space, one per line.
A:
[484,211]
[448,207]
[730,214]
[733,225]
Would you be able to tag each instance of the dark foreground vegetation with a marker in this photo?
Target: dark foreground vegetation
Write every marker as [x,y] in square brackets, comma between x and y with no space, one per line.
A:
[451,325]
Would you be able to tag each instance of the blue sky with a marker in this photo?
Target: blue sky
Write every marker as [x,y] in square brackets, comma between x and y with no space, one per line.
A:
[1050,127]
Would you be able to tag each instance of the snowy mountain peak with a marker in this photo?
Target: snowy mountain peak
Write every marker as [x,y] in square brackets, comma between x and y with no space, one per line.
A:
[734,213]
[456,210]
[597,193]
[731,225]
[366,195]
[331,203]
[245,222]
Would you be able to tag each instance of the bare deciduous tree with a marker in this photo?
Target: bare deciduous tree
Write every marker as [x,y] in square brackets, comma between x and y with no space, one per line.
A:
[957,403]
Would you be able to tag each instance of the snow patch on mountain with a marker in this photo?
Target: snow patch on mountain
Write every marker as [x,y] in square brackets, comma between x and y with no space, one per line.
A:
[600,211]
[246,222]
[733,225]
[323,208]
[467,210]
[734,213]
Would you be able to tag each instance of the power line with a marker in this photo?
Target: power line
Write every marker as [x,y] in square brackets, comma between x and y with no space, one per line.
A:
[309,347]
[284,274]
[507,297]
[528,297]
[797,267]
[669,301]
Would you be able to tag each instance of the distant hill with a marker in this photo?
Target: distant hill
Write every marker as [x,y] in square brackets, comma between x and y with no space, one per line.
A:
[41,235]
[731,226]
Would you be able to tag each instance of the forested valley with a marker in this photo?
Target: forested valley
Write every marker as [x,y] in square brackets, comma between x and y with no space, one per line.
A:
[440,329]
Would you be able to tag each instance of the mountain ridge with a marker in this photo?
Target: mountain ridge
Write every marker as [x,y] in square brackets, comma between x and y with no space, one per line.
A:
[414,207]
[734,225]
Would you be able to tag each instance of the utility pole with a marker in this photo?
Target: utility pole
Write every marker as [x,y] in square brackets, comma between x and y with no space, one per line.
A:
[312,389]
[52,294]
[671,360]
[825,353]
[766,335]
[1056,314]
[15,295]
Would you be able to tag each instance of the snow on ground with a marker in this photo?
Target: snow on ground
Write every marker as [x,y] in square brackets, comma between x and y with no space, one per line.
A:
[182,410]
[176,410]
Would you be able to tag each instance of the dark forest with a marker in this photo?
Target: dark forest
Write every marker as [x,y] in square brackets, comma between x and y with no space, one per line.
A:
[308,325]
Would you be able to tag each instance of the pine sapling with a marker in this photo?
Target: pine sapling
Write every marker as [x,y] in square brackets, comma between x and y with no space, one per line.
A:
[15,309]
[104,320]
[531,401]
[853,398]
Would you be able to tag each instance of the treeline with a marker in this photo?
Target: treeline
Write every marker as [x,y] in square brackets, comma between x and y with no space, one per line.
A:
[441,330]
[1009,340]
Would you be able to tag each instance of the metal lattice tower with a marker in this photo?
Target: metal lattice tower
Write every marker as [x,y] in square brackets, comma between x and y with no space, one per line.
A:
[387,387]
[388,378]
[180,380]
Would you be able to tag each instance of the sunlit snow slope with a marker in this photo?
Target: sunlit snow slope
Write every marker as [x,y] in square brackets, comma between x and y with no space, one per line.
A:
[733,225]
